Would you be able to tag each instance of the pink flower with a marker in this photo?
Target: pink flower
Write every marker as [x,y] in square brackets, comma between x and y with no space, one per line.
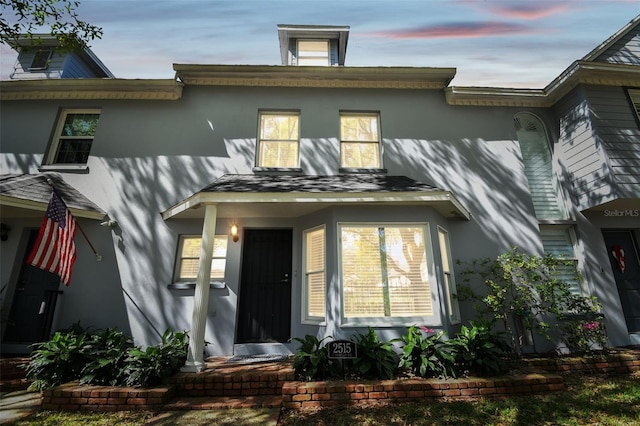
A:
[593,325]
[425,329]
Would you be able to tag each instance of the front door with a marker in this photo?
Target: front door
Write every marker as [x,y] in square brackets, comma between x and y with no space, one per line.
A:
[33,303]
[623,254]
[265,286]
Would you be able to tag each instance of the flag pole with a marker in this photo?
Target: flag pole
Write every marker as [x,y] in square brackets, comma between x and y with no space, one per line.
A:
[95,253]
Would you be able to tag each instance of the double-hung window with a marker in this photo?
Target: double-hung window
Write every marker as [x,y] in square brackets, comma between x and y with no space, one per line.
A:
[279,140]
[189,255]
[360,140]
[313,53]
[314,292]
[385,273]
[73,137]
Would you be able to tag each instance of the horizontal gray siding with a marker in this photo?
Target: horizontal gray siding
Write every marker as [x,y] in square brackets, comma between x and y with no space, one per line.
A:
[582,152]
[624,51]
[615,124]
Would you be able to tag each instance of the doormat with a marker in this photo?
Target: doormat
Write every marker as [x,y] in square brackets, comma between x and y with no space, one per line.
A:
[252,359]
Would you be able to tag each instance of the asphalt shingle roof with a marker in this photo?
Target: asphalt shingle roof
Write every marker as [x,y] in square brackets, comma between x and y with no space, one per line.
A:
[35,187]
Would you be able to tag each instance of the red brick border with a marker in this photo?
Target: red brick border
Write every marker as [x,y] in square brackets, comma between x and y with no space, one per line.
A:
[326,394]
[619,361]
[75,397]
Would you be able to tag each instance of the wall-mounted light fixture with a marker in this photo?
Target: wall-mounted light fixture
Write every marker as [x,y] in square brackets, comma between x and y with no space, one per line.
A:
[4,232]
[234,233]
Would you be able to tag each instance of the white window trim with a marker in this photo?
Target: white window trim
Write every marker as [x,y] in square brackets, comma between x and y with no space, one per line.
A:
[52,152]
[259,140]
[306,319]
[48,52]
[428,320]
[453,306]
[379,141]
[178,260]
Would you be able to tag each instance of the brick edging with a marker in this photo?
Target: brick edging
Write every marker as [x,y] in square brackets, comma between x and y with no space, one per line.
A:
[76,397]
[331,393]
[623,362]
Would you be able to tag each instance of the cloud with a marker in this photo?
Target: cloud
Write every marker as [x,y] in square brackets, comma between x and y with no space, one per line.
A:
[458,30]
[529,11]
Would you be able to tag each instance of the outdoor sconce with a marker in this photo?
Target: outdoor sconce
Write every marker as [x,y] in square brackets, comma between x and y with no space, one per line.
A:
[4,232]
[234,233]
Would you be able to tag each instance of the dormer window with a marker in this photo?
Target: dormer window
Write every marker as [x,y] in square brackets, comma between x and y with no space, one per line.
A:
[41,59]
[313,53]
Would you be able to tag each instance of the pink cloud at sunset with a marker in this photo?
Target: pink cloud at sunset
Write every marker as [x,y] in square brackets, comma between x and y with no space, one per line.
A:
[459,30]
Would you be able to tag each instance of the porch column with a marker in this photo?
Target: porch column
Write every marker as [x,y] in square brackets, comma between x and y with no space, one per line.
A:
[195,357]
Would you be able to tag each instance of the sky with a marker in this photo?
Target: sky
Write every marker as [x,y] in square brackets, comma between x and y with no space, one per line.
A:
[491,43]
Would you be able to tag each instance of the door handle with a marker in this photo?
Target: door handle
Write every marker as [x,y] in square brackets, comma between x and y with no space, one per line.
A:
[285,280]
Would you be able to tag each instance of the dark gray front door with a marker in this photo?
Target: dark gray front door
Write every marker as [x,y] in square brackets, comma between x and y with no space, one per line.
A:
[265,286]
[623,255]
[33,303]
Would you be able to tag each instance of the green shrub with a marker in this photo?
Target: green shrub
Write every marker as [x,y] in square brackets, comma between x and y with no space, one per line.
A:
[375,359]
[106,353]
[311,360]
[427,356]
[478,350]
[584,334]
[58,360]
[153,365]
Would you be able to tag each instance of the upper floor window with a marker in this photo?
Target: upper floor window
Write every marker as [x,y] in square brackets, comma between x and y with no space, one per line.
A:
[41,59]
[313,52]
[360,140]
[278,141]
[385,273]
[189,255]
[634,95]
[73,137]
[538,167]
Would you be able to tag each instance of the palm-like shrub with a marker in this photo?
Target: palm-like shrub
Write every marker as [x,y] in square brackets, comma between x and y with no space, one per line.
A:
[427,356]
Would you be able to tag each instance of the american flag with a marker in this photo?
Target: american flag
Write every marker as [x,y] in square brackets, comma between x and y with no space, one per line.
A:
[54,250]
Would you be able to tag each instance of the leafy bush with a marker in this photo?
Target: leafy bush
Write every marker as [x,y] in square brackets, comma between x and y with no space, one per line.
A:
[153,365]
[58,360]
[375,359]
[106,357]
[106,353]
[478,350]
[584,334]
[311,361]
[427,356]
[523,292]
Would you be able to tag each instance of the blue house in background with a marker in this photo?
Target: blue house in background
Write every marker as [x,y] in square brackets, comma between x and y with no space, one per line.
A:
[254,203]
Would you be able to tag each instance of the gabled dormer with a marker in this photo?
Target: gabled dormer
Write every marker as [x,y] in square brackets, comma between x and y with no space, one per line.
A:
[313,45]
[43,60]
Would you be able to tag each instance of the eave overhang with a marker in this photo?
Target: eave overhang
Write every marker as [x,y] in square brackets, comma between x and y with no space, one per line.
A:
[36,206]
[322,77]
[90,88]
[263,203]
[580,72]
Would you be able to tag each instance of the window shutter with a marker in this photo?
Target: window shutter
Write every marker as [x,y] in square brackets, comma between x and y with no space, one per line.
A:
[558,241]
[538,167]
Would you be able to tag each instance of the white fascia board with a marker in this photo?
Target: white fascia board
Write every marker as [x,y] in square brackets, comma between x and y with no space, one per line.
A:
[38,206]
[203,198]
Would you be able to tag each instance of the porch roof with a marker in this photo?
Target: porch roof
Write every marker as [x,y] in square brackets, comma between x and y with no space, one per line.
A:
[26,195]
[296,195]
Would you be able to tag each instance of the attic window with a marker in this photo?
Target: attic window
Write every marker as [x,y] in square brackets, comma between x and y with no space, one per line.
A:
[313,52]
[41,60]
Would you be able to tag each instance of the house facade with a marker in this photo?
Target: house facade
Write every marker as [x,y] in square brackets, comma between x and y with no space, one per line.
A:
[251,204]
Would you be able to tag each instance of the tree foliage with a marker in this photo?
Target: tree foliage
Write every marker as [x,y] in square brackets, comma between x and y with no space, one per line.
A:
[30,19]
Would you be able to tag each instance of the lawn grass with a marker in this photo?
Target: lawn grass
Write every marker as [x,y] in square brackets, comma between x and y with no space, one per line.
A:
[586,401]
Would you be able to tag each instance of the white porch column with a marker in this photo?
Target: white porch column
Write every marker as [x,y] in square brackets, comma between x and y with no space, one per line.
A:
[195,358]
